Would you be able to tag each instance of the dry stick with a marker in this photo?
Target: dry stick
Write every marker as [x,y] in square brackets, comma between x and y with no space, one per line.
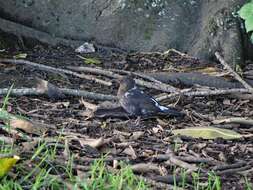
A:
[155,84]
[238,120]
[158,84]
[99,71]
[233,171]
[191,159]
[73,92]
[139,75]
[187,92]
[173,160]
[231,166]
[21,92]
[237,76]
[145,168]
[55,70]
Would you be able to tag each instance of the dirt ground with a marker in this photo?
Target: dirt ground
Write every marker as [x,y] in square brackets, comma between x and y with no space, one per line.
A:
[148,143]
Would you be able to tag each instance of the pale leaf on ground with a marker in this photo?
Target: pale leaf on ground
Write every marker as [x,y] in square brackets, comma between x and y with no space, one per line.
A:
[207,133]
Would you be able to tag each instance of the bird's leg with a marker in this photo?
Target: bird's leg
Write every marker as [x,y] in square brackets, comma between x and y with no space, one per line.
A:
[137,121]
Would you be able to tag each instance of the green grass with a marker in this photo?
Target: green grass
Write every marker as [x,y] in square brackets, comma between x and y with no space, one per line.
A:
[248,184]
[122,179]
[42,174]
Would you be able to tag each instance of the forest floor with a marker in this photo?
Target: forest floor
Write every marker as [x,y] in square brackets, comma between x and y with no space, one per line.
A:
[74,140]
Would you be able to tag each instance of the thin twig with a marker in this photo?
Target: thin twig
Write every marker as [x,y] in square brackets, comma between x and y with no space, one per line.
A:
[155,84]
[139,75]
[191,159]
[21,92]
[96,70]
[237,76]
[56,70]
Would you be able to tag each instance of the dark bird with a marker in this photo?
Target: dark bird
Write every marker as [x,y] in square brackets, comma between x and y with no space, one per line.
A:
[136,103]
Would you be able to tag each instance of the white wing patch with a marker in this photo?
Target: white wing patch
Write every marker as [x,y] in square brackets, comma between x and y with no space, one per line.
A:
[162,108]
[126,94]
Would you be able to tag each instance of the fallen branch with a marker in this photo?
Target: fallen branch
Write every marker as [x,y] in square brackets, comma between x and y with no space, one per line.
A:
[55,70]
[237,76]
[209,92]
[72,92]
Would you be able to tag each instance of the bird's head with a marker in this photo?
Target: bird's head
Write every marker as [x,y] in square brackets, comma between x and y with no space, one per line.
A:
[125,83]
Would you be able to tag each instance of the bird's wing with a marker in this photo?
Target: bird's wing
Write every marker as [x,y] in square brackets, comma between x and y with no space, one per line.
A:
[141,103]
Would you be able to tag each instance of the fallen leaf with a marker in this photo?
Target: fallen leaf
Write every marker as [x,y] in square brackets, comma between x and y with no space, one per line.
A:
[90,61]
[24,125]
[6,164]
[95,143]
[207,133]
[136,135]
[20,56]
[130,151]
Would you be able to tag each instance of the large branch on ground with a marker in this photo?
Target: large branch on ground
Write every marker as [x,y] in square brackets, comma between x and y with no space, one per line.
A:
[72,92]
[209,92]
[155,84]
[55,70]
[237,76]
[190,79]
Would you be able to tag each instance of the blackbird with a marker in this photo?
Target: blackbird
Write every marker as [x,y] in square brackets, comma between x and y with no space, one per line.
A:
[139,104]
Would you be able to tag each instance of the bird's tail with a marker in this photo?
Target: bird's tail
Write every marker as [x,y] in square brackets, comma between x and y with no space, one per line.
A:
[171,112]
